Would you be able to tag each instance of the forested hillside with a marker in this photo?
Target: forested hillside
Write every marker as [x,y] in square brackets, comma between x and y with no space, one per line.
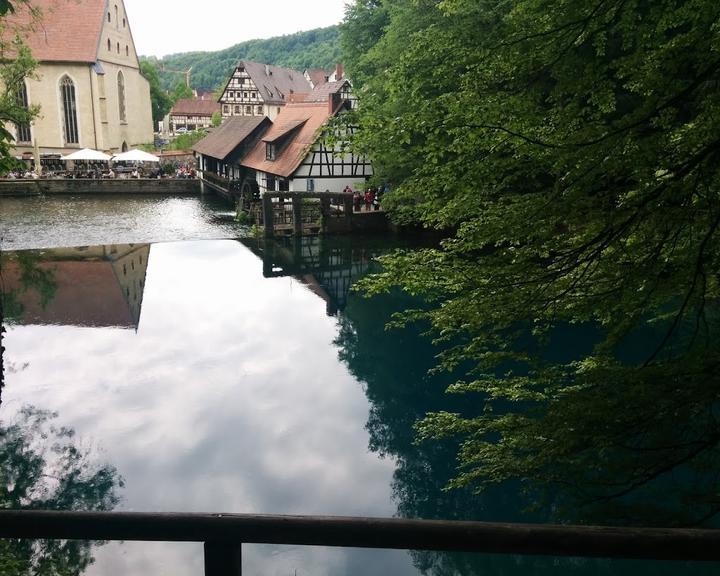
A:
[319,48]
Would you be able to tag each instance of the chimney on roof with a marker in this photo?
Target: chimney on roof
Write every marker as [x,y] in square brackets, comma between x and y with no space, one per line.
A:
[339,72]
[267,70]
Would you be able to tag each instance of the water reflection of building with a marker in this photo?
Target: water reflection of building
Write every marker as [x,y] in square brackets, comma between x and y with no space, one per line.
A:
[84,286]
[327,268]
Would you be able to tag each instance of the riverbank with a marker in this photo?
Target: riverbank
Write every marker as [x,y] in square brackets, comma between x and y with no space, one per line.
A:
[39,187]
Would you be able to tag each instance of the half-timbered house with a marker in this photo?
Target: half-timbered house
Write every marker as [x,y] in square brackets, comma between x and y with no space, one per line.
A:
[256,89]
[295,154]
[189,114]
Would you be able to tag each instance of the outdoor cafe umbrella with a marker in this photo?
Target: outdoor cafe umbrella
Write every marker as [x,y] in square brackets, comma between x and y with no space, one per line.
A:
[135,156]
[87,154]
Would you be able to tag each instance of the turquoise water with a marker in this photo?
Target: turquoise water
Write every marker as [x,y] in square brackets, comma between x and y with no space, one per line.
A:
[227,375]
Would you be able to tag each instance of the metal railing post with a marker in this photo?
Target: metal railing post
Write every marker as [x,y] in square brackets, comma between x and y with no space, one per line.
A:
[223,559]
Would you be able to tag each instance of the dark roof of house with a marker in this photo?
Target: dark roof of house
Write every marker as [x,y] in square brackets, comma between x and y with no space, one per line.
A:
[275,83]
[322,92]
[317,76]
[69,30]
[222,141]
[302,123]
[194,107]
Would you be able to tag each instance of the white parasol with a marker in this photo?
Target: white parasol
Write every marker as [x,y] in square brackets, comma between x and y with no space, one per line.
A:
[87,154]
[135,156]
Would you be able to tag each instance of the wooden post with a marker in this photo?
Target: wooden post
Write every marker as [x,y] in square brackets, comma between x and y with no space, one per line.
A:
[223,559]
[297,215]
[268,216]
[348,211]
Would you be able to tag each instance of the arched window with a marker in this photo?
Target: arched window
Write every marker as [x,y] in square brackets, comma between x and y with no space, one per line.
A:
[117,21]
[69,110]
[121,96]
[118,47]
[109,44]
[108,16]
[23,130]
[127,50]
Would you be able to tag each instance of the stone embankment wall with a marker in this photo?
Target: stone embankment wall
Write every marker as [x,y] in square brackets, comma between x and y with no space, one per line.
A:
[134,186]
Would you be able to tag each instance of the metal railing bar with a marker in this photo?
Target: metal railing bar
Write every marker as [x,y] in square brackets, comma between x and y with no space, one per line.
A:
[392,533]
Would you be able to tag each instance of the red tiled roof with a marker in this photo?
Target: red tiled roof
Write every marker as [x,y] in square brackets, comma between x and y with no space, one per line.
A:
[69,30]
[193,107]
[312,116]
[88,294]
[222,141]
[280,130]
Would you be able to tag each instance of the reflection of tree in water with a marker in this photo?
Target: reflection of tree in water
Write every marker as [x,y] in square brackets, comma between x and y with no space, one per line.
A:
[393,366]
[42,467]
[31,277]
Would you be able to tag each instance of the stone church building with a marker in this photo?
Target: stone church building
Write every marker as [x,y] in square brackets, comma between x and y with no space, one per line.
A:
[88,83]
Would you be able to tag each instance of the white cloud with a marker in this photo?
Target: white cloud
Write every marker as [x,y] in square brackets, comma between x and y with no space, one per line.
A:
[162,27]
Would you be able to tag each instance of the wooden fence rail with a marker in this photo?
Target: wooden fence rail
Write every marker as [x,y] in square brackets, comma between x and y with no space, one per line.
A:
[224,534]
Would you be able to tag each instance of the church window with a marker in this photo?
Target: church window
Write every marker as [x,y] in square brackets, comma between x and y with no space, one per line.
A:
[124,23]
[121,96]
[117,21]
[109,44]
[108,16]
[23,130]
[118,47]
[127,50]
[69,111]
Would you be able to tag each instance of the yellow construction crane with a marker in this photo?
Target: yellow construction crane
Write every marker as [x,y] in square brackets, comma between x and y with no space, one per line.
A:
[185,72]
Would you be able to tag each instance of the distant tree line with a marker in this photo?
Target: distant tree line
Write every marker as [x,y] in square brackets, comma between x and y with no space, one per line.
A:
[318,48]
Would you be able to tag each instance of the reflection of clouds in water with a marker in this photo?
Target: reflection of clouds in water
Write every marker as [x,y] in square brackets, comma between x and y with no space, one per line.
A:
[230,397]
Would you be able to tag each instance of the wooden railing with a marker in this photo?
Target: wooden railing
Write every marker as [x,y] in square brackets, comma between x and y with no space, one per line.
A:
[224,534]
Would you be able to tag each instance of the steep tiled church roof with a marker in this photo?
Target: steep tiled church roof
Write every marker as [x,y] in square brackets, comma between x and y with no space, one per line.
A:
[68,30]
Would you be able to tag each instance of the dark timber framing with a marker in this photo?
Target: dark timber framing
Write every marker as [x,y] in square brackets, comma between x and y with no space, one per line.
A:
[224,534]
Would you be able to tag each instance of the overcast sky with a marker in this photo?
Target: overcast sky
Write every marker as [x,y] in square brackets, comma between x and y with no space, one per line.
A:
[163,27]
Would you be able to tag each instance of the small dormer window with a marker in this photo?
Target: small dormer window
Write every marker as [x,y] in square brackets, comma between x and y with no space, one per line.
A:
[270,151]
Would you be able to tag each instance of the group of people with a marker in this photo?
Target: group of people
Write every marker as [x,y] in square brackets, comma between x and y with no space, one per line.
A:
[370,198]
[185,171]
